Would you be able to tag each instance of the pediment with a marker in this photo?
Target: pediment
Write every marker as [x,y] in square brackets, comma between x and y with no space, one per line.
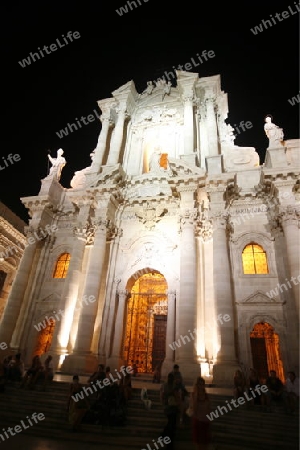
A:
[259,298]
[109,175]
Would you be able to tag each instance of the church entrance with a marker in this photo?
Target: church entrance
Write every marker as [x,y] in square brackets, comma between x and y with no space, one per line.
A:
[266,350]
[44,339]
[145,334]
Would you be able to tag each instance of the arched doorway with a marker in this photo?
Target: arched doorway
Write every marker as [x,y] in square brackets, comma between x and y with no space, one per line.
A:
[44,338]
[145,333]
[266,350]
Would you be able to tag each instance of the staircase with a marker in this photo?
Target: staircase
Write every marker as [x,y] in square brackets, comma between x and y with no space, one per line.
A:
[243,428]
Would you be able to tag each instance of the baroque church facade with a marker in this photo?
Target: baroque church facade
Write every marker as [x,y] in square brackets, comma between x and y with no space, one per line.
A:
[173,246]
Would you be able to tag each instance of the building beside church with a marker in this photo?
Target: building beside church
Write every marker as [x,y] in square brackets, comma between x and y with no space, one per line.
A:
[174,245]
[12,245]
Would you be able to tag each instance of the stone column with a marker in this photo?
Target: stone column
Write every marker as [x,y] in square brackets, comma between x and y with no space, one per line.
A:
[213,160]
[101,145]
[188,125]
[212,128]
[170,334]
[82,360]
[186,355]
[226,358]
[290,221]
[117,138]
[69,295]
[17,293]
[115,360]
[108,319]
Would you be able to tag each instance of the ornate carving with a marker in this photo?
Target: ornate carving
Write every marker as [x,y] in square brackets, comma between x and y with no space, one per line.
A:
[150,215]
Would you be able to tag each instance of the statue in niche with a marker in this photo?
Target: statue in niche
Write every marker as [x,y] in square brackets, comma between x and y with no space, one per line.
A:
[58,164]
[155,165]
[273,132]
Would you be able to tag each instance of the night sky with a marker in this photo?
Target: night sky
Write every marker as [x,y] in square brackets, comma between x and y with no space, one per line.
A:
[260,73]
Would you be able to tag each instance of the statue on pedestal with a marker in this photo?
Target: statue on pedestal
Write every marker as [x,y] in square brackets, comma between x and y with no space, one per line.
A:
[58,164]
[273,132]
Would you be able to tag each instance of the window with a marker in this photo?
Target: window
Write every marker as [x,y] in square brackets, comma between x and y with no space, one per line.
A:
[254,260]
[62,266]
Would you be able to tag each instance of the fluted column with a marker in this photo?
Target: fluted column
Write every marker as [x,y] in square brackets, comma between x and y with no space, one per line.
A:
[116,358]
[16,296]
[212,128]
[69,294]
[226,357]
[101,145]
[170,333]
[188,125]
[117,138]
[187,303]
[290,221]
[82,361]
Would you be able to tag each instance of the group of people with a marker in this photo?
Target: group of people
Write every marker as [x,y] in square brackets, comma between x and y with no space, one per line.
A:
[102,401]
[12,369]
[287,393]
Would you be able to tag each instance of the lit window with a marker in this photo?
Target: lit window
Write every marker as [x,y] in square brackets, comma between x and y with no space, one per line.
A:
[254,260]
[62,266]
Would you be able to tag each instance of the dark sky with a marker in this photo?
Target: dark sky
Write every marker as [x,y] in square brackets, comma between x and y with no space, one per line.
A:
[260,73]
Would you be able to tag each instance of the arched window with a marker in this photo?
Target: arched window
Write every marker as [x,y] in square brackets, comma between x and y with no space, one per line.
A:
[254,260]
[62,266]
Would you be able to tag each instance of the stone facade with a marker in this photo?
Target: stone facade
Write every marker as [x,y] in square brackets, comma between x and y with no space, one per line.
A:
[168,194]
[12,245]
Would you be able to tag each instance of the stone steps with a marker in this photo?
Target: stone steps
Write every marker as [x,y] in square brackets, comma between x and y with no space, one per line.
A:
[243,428]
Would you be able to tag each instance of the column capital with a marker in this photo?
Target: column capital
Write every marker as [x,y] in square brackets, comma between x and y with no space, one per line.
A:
[289,215]
[122,293]
[219,219]
[188,217]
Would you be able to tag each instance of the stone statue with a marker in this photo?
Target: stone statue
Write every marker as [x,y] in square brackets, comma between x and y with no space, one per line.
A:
[154,163]
[58,164]
[273,132]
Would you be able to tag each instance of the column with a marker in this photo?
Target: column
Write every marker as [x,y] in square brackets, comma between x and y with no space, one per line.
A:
[101,145]
[69,296]
[170,334]
[186,355]
[226,358]
[82,360]
[115,361]
[213,160]
[17,293]
[188,125]
[290,223]
[212,129]
[108,319]
[117,138]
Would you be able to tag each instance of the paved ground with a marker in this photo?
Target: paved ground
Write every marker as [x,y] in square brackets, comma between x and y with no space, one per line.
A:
[23,442]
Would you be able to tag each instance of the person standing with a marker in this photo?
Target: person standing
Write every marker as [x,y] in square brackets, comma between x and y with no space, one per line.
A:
[170,399]
[201,427]
[292,392]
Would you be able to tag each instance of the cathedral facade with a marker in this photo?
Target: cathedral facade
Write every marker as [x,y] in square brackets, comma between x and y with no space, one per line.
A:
[173,246]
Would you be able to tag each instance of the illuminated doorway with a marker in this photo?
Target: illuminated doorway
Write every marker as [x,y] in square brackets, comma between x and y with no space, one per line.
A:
[266,351]
[44,339]
[145,334]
